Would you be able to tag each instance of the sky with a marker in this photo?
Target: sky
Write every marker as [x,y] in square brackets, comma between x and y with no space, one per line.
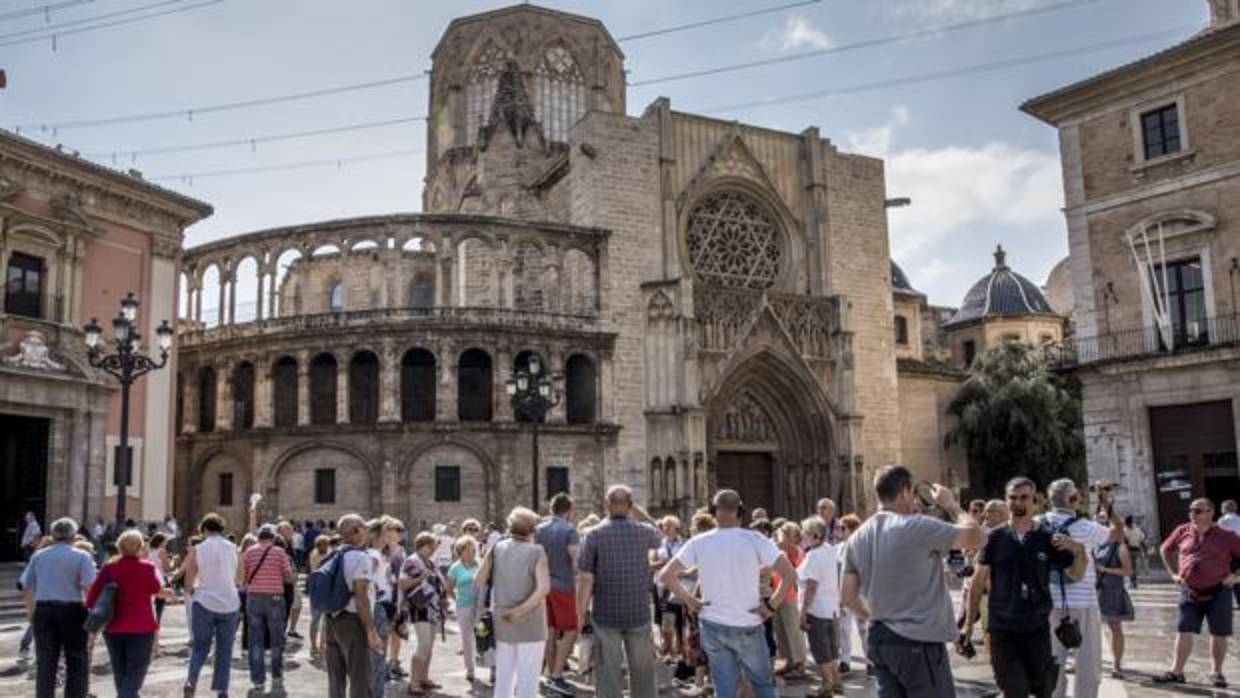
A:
[979,171]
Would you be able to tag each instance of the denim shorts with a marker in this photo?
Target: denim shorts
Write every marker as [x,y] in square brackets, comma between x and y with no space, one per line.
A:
[1216,613]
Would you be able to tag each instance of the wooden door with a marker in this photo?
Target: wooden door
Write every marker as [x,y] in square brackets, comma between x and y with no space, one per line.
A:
[1194,453]
[749,473]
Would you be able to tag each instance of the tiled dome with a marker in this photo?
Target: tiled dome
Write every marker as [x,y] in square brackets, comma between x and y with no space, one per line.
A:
[1001,293]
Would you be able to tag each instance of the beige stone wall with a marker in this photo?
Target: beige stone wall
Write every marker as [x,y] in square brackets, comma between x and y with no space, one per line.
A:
[370,279]
[1033,329]
[924,424]
[909,308]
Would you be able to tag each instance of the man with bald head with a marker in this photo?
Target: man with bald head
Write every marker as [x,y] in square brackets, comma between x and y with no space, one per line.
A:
[612,572]
[826,512]
[1204,553]
[729,561]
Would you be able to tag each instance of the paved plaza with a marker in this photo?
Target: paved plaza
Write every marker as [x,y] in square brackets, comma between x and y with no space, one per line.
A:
[1149,647]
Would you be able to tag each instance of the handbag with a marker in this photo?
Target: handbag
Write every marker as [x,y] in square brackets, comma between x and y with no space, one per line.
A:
[484,627]
[100,614]
[1068,632]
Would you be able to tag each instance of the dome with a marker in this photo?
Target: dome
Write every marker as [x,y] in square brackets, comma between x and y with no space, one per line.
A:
[1001,293]
[899,281]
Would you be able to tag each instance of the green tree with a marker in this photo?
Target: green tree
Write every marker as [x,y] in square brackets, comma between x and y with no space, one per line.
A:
[1017,416]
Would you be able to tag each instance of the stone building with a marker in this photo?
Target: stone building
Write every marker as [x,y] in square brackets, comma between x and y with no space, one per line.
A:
[74,239]
[1151,166]
[716,295]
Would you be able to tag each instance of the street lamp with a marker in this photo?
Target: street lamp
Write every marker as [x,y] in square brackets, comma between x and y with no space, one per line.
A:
[533,393]
[127,364]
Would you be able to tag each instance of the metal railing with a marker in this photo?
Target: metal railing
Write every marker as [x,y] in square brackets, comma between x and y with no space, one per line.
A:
[1145,342]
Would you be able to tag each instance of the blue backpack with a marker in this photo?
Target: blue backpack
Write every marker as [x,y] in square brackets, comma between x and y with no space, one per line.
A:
[328,589]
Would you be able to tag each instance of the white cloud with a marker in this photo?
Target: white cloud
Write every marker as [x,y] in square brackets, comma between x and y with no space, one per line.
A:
[930,272]
[797,32]
[958,10]
[876,142]
[969,191]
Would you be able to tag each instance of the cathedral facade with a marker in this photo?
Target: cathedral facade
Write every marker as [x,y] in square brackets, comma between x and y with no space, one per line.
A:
[714,298]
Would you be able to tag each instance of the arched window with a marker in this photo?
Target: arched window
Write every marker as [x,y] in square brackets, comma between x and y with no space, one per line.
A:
[364,388]
[323,389]
[473,386]
[559,92]
[206,399]
[480,90]
[522,363]
[734,241]
[335,297]
[901,330]
[284,378]
[243,395]
[422,295]
[581,389]
[417,386]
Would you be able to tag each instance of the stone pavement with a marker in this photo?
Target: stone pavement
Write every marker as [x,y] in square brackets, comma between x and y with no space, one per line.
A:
[1149,642]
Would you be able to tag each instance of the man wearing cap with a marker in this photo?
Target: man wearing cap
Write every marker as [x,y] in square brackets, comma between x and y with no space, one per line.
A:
[264,570]
[730,560]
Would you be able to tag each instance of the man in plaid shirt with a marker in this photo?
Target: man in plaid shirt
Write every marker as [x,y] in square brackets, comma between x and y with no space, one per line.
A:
[614,572]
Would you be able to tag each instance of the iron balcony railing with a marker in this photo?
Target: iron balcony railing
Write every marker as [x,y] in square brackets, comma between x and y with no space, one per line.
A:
[1145,342]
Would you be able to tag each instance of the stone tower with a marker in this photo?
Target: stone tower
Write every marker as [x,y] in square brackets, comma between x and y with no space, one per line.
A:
[505,88]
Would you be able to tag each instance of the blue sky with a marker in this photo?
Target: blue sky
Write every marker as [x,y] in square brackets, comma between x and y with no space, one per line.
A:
[979,171]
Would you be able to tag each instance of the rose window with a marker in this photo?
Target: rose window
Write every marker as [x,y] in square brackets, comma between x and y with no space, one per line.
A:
[733,241]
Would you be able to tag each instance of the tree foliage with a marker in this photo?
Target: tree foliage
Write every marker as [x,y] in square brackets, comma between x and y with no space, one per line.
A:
[1017,416]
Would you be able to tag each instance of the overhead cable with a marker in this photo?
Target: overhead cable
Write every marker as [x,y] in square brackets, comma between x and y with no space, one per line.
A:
[870,43]
[45,10]
[189,178]
[951,73]
[54,36]
[56,28]
[253,142]
[716,20]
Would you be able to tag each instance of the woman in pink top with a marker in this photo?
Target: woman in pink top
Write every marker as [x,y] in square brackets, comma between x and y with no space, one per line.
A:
[131,633]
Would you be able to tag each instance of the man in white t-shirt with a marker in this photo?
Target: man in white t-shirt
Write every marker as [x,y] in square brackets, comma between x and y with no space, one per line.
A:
[819,578]
[1077,600]
[351,633]
[729,560]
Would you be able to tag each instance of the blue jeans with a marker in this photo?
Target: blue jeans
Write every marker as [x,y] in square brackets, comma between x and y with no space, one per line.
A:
[209,626]
[264,614]
[378,660]
[130,656]
[731,650]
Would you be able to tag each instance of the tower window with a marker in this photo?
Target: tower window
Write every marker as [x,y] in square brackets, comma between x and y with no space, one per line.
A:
[901,330]
[447,483]
[325,486]
[969,349]
[1160,131]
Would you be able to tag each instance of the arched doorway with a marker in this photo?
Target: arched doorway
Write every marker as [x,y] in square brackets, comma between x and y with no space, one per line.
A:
[770,436]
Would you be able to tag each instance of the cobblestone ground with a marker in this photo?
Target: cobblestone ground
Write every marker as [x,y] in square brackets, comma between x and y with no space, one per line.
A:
[1149,647]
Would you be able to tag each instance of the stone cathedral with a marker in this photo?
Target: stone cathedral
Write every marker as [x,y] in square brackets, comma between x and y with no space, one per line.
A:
[714,298]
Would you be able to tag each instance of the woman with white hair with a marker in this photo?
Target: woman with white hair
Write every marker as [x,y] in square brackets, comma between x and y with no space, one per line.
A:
[520,579]
[130,635]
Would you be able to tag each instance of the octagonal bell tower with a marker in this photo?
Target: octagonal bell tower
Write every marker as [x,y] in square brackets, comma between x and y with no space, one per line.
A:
[506,89]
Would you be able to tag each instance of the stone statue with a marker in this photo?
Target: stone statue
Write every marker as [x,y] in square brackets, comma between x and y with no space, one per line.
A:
[33,353]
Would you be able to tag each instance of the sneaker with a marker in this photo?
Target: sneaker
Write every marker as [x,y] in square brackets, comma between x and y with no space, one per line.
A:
[1217,680]
[692,692]
[295,635]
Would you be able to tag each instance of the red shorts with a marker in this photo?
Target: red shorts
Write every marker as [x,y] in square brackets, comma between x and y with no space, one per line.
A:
[562,610]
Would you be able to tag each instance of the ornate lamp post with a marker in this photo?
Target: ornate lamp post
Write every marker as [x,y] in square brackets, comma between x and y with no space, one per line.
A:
[127,364]
[533,394]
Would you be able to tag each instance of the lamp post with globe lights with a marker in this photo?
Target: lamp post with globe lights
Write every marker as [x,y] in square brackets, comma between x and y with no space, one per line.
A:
[127,364]
[533,393]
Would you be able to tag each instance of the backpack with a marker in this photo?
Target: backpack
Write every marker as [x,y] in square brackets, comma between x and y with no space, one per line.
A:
[328,589]
[1058,576]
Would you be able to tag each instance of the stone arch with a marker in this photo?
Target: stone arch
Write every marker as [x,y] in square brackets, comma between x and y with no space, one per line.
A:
[788,231]
[768,408]
[205,474]
[289,482]
[416,480]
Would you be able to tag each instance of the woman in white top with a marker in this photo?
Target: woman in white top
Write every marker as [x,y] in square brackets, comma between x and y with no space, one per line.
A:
[384,609]
[210,581]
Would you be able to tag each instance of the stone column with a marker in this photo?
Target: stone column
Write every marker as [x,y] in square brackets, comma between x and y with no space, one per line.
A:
[198,301]
[506,285]
[219,307]
[446,365]
[223,398]
[342,391]
[303,388]
[437,296]
[264,410]
[502,371]
[273,296]
[232,299]
[607,410]
[389,384]
[258,303]
[558,414]
[189,401]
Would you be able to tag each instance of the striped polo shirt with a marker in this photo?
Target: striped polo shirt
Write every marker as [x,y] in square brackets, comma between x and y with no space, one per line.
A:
[268,579]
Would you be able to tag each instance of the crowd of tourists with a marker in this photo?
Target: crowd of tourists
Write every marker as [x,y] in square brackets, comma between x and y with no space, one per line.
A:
[732,603]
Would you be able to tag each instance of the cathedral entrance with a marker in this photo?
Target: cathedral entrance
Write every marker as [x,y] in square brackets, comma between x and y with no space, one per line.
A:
[750,474]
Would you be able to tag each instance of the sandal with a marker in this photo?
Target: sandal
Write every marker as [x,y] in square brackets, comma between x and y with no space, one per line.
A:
[1217,680]
[1169,677]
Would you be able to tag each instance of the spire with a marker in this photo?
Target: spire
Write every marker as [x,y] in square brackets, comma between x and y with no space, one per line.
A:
[1000,258]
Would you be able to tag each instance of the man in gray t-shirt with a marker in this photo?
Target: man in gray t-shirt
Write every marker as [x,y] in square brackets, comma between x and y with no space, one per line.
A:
[558,537]
[893,577]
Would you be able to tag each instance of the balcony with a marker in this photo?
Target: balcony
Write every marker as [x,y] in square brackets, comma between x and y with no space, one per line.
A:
[1146,342]
[389,318]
